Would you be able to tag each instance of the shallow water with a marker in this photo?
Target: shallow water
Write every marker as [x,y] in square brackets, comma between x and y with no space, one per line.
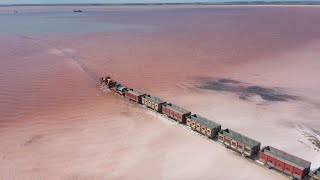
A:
[42,45]
[58,23]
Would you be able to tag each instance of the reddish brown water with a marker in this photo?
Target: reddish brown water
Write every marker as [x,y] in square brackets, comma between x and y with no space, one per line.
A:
[51,59]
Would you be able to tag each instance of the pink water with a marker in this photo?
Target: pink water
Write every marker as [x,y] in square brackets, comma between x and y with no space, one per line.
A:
[51,58]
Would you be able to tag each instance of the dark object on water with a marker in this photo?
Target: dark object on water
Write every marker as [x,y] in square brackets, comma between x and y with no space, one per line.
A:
[15,12]
[77,10]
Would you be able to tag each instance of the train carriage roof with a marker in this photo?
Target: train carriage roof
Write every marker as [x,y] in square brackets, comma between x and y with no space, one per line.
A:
[287,158]
[154,99]
[177,109]
[137,93]
[241,138]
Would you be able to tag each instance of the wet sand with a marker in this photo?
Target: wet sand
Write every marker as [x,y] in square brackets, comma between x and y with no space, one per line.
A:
[57,124]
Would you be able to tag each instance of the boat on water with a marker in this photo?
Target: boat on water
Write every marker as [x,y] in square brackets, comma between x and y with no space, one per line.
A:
[77,11]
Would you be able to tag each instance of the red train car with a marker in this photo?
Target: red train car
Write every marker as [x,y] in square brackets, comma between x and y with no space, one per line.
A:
[284,162]
[175,112]
[134,95]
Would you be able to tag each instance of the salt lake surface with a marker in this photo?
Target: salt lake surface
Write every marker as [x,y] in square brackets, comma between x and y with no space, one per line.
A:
[57,124]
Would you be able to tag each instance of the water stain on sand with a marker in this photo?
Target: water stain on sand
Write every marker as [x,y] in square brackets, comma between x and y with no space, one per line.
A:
[33,139]
[245,91]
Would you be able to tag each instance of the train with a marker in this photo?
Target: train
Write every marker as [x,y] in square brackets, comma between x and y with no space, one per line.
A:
[271,157]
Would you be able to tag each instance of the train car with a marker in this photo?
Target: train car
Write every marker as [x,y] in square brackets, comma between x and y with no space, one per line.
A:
[239,143]
[121,90]
[203,125]
[175,112]
[153,102]
[107,81]
[284,162]
[316,174]
[134,95]
[117,85]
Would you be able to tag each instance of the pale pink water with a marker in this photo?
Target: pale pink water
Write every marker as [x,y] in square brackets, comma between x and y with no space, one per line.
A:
[51,59]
